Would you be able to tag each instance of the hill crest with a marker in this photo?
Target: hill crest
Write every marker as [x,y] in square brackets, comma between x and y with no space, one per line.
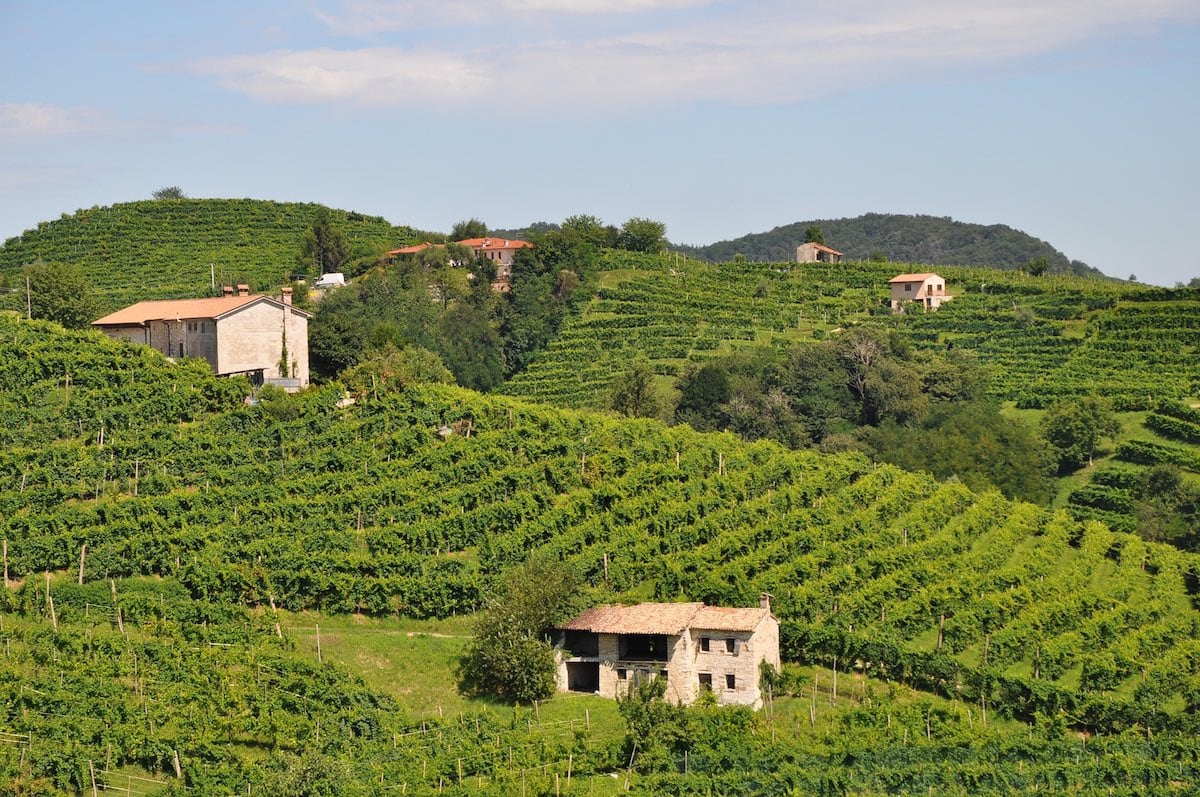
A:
[937,240]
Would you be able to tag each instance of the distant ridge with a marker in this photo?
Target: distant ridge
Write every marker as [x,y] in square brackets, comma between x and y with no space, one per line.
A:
[937,240]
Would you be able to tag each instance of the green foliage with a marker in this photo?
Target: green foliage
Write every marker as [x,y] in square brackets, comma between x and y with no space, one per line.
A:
[302,504]
[972,442]
[634,392]
[393,368]
[169,192]
[813,234]
[1076,428]
[324,248]
[509,657]
[1037,266]
[470,228]
[61,293]
[642,235]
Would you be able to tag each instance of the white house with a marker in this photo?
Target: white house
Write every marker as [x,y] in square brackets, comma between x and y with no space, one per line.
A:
[239,333]
[697,648]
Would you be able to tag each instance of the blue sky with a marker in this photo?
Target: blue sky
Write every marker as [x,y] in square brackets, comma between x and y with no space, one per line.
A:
[1076,121]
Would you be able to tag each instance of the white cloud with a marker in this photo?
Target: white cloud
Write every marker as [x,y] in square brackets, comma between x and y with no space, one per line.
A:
[368,17]
[751,52]
[375,75]
[35,119]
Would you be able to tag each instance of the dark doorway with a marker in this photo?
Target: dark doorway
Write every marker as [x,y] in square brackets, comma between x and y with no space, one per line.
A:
[583,676]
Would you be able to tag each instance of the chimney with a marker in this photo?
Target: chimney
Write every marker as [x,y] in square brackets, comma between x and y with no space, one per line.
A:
[286,295]
[227,290]
[243,289]
[764,601]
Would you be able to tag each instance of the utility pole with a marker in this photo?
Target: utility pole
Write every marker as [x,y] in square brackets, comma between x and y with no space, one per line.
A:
[28,299]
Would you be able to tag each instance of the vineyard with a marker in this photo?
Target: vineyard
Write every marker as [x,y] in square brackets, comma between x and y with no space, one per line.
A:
[169,516]
[1042,338]
[173,248]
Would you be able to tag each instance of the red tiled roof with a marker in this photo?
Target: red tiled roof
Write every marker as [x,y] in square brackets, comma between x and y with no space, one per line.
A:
[913,277]
[725,618]
[822,248]
[665,618]
[158,310]
[411,250]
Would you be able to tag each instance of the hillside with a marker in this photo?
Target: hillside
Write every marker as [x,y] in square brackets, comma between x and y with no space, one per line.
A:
[1040,339]
[1043,338]
[905,239]
[171,248]
[140,468]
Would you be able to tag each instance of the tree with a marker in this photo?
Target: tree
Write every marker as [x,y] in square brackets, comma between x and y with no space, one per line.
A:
[642,235]
[470,228]
[60,292]
[1075,428]
[509,656]
[1036,267]
[634,393]
[813,234]
[588,230]
[169,192]
[394,368]
[702,392]
[324,248]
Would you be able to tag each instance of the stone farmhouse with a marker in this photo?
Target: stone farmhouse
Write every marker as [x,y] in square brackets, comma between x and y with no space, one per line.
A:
[238,333]
[697,648]
[817,253]
[500,251]
[928,290]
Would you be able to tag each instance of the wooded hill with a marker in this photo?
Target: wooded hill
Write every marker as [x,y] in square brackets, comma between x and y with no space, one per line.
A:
[136,467]
[171,248]
[938,240]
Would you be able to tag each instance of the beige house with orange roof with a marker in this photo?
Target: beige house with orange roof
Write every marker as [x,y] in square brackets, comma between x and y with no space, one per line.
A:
[928,290]
[697,648]
[262,337]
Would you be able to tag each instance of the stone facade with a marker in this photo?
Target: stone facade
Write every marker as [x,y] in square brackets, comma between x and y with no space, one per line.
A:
[817,253]
[697,648]
[240,334]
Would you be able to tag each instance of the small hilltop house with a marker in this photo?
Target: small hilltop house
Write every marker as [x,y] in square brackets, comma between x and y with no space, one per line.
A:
[817,253]
[927,290]
[696,648]
[263,337]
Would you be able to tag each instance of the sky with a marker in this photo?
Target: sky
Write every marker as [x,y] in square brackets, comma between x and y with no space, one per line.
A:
[1076,121]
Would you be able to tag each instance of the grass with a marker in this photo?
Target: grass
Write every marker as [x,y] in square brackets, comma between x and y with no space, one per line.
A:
[414,661]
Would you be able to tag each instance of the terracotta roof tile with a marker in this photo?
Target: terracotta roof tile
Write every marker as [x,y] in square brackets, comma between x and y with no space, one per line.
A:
[824,248]
[665,618]
[912,277]
[725,618]
[644,618]
[161,309]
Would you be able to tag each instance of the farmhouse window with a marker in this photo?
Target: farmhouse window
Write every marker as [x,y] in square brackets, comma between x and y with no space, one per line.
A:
[731,646]
[621,674]
[704,643]
[706,682]
[730,681]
